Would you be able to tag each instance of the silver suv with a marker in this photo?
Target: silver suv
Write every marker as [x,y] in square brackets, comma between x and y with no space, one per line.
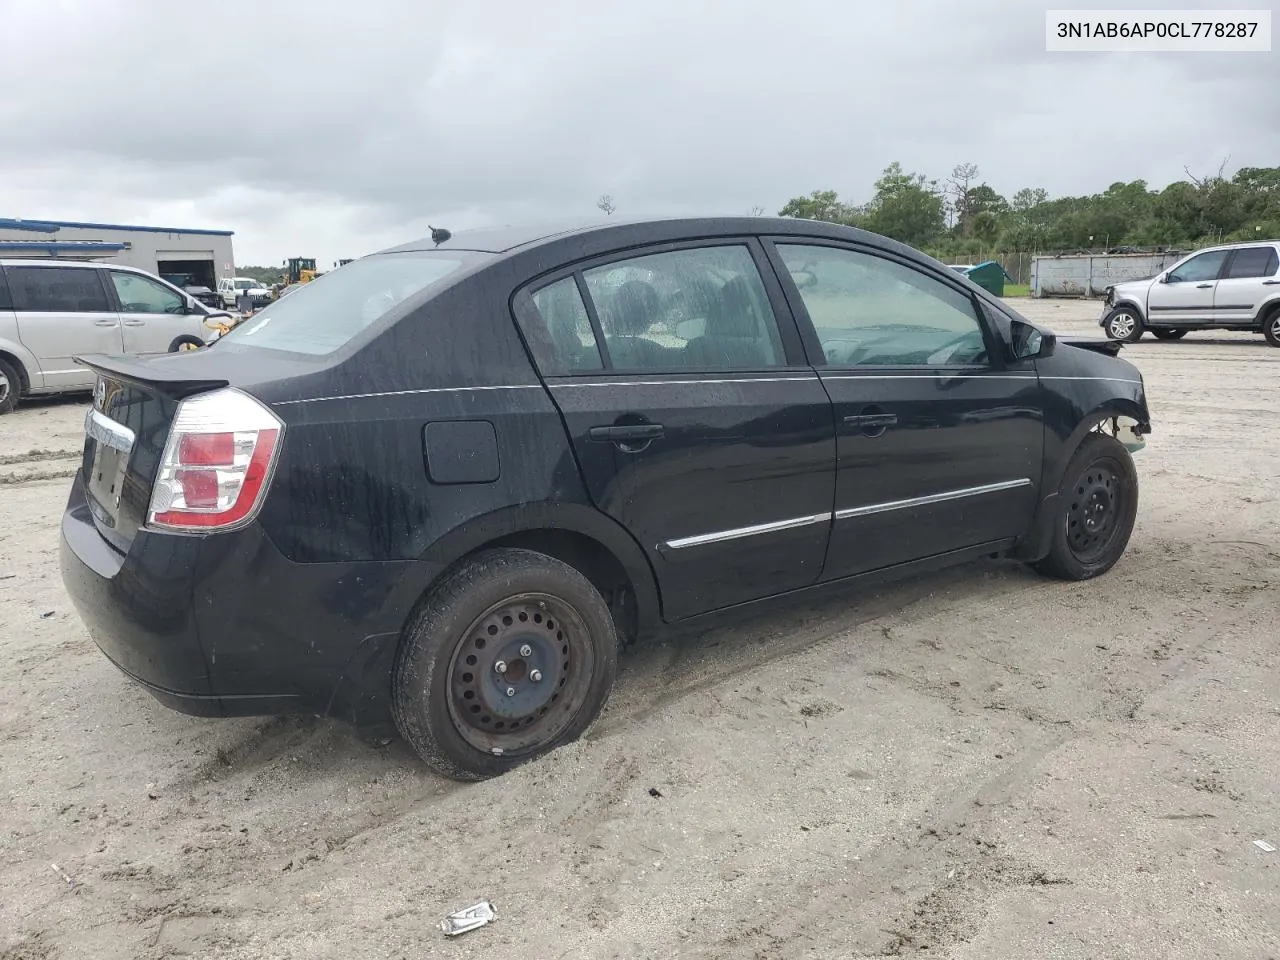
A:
[54,310]
[1235,287]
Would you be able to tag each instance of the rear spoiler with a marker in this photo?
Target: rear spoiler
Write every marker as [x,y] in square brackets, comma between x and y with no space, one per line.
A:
[170,381]
[1109,347]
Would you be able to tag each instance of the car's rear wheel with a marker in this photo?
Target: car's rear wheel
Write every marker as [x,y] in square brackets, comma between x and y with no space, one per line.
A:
[10,386]
[1271,328]
[1097,505]
[1169,333]
[511,655]
[1124,323]
[185,342]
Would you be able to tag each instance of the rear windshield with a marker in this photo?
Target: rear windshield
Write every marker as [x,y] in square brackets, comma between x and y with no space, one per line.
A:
[324,315]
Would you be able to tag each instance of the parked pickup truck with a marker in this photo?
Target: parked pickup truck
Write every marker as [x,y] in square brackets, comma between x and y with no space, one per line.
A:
[230,288]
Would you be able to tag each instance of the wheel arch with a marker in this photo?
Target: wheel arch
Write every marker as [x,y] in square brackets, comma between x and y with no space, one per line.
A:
[24,375]
[1036,545]
[581,536]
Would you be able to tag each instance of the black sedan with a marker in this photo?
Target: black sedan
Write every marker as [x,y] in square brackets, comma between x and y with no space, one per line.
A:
[441,485]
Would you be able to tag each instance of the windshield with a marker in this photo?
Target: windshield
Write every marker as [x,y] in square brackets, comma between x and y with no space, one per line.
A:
[243,284]
[323,315]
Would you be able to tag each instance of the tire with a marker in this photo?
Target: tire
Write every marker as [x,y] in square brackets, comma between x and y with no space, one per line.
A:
[538,621]
[1100,472]
[10,387]
[1271,328]
[1124,323]
[1169,333]
[185,342]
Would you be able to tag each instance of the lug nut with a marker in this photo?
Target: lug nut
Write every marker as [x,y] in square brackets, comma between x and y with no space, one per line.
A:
[500,666]
[535,675]
[526,650]
[511,691]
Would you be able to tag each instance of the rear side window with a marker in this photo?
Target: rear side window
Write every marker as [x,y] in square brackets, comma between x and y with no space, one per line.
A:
[57,290]
[5,302]
[703,309]
[1252,262]
[565,342]
[324,315]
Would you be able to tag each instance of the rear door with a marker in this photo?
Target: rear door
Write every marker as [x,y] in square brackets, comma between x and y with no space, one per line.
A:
[63,311]
[1186,294]
[939,437]
[696,421]
[152,314]
[1248,280]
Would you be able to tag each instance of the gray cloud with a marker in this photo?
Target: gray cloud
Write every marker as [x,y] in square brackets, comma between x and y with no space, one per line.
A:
[333,128]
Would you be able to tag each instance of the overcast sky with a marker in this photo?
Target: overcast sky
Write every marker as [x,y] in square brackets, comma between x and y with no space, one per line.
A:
[331,128]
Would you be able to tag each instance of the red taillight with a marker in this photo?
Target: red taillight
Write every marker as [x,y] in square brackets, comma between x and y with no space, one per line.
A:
[217,463]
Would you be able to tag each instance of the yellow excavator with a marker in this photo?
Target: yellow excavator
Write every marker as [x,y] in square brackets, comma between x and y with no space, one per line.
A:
[298,270]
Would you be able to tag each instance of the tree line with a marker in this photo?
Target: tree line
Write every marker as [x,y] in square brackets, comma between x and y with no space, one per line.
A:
[963,217]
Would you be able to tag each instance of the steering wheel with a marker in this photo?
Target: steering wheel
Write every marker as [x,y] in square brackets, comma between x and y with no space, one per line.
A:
[945,353]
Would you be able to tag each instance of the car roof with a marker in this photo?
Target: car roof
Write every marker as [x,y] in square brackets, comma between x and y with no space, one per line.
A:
[55,262]
[509,239]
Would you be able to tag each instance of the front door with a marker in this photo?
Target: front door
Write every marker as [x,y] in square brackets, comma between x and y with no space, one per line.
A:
[696,423]
[1249,278]
[1185,294]
[939,438]
[63,312]
[151,314]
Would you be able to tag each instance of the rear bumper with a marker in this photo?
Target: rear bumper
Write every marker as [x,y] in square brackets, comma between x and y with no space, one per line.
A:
[224,625]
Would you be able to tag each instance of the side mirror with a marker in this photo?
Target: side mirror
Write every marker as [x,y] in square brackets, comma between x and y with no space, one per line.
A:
[1166,278]
[1031,342]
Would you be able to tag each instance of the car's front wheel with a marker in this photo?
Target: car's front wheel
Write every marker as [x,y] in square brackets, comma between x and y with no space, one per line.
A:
[1169,333]
[1124,323]
[512,654]
[185,342]
[1097,505]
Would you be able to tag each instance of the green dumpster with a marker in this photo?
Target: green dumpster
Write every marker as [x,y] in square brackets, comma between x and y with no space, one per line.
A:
[990,276]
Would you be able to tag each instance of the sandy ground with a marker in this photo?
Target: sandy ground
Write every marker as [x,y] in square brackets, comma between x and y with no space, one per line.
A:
[979,764]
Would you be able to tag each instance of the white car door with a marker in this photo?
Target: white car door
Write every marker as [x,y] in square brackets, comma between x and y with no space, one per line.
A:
[1249,279]
[63,312]
[1185,293]
[152,314]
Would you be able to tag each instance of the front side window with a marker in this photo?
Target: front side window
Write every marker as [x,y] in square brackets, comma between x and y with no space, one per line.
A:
[700,309]
[1252,262]
[869,311]
[140,295]
[57,290]
[327,313]
[1199,269]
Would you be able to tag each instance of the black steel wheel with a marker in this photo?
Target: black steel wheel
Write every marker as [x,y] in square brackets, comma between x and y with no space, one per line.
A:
[511,655]
[1124,323]
[1169,333]
[1097,504]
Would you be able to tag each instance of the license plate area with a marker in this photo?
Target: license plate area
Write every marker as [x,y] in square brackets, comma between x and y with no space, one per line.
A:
[106,460]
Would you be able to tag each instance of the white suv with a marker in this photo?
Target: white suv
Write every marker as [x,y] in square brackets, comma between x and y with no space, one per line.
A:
[1234,287]
[54,310]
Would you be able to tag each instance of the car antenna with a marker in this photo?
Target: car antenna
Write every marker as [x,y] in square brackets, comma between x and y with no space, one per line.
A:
[439,235]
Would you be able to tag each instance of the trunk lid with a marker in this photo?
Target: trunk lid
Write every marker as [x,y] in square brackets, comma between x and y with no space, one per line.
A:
[135,400]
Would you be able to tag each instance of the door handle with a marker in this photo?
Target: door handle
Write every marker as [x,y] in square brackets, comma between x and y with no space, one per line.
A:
[1203,286]
[872,422]
[135,323]
[1270,283]
[626,432]
[106,323]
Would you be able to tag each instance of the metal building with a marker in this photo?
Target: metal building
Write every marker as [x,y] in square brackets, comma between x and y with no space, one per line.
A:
[1089,275]
[181,256]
